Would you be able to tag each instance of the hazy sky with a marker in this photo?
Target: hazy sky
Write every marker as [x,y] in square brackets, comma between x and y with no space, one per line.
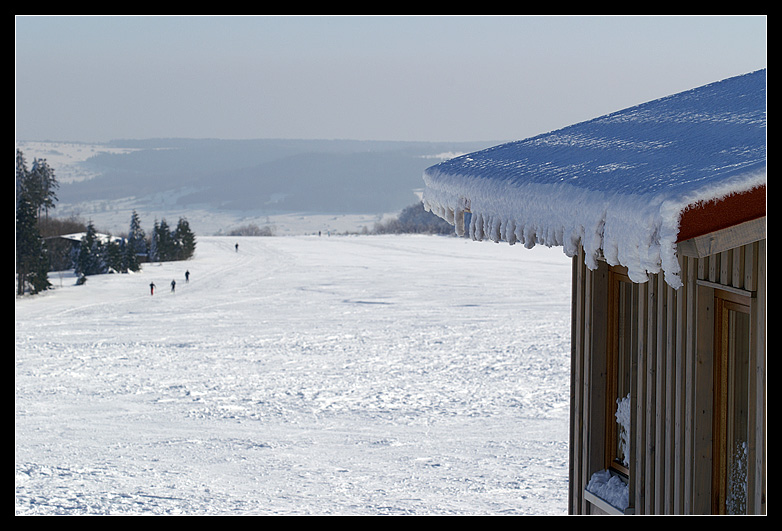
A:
[450,78]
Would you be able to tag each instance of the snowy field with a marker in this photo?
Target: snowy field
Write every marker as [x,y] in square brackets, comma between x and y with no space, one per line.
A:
[301,375]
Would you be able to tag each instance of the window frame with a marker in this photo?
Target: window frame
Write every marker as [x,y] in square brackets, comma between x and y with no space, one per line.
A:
[724,380]
[618,278]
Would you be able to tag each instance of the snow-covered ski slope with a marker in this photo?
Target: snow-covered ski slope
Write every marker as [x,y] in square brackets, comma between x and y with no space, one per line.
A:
[363,375]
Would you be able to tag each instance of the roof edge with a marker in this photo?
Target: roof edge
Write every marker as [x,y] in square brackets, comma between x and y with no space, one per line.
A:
[705,217]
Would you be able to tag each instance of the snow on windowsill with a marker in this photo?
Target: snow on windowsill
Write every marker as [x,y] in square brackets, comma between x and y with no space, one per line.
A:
[609,492]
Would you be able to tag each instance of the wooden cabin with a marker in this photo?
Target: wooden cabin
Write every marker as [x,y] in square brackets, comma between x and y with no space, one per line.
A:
[662,207]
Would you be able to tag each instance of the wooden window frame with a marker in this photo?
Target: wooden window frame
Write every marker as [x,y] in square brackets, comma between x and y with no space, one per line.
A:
[724,376]
[616,277]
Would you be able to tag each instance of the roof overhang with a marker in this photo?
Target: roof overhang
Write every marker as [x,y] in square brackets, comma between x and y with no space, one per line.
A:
[711,216]
[713,227]
[629,187]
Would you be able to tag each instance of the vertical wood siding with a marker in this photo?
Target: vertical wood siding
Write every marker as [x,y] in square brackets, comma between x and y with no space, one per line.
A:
[671,449]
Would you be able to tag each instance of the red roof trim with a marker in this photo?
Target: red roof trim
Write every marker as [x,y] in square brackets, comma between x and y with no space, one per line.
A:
[703,218]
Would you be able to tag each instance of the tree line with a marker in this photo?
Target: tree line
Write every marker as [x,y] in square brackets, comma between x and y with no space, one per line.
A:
[40,247]
[414,219]
[101,253]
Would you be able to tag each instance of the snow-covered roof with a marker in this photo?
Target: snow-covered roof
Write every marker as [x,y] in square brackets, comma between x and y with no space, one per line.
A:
[617,184]
[79,236]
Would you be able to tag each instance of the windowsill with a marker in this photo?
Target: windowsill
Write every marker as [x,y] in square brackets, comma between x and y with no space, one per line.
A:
[613,487]
[604,506]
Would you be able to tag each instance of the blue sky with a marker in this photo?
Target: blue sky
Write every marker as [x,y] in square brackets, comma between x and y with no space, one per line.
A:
[431,78]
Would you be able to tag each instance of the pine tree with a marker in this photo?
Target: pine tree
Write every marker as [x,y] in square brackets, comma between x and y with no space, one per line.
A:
[32,260]
[91,258]
[136,244]
[165,242]
[185,240]
[32,263]
[114,251]
[42,186]
[166,245]
[21,175]
[130,258]
[154,254]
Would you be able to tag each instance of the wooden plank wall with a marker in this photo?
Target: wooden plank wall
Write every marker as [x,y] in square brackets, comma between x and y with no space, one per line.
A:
[671,432]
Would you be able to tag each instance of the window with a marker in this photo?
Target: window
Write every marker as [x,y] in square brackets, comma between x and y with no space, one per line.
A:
[731,402]
[621,346]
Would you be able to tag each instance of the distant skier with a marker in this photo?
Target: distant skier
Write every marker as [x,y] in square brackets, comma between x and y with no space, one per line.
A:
[236,247]
[187,276]
[151,288]
[173,286]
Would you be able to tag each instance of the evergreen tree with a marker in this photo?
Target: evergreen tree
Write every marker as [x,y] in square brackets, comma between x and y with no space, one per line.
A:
[42,186]
[37,185]
[185,240]
[130,258]
[166,248]
[136,243]
[91,257]
[21,175]
[164,244]
[154,254]
[32,263]
[114,251]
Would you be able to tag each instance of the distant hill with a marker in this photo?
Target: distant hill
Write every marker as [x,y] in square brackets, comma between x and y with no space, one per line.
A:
[276,176]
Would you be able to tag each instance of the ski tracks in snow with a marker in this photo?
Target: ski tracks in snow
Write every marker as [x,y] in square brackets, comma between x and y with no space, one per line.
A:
[306,375]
